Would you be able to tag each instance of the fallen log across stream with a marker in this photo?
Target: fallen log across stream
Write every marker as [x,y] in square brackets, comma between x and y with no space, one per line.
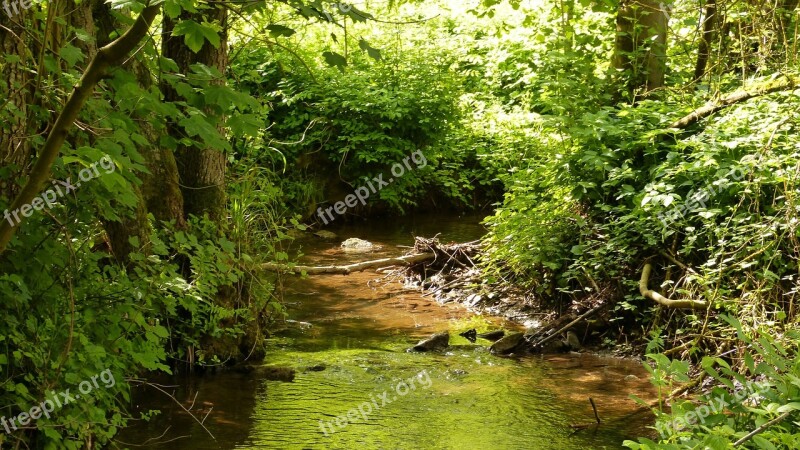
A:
[350,268]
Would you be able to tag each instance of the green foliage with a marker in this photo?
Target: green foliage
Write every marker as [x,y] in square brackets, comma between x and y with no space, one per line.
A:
[69,315]
[736,405]
[333,129]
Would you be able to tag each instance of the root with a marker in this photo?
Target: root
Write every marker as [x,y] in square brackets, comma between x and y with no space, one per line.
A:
[660,299]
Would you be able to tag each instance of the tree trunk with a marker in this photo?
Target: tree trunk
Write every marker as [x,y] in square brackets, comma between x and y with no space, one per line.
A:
[786,13]
[641,44]
[704,48]
[15,80]
[201,170]
[131,223]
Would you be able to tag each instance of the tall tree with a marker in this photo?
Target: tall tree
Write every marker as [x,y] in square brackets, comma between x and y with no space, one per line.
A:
[201,168]
[641,44]
[107,57]
[704,47]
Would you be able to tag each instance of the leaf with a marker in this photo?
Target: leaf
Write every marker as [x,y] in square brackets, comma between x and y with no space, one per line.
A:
[763,443]
[172,9]
[133,5]
[335,60]
[276,30]
[71,54]
[793,406]
[245,124]
[354,13]
[373,53]
[195,34]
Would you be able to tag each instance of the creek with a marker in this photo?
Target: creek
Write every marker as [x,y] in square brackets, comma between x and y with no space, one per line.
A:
[347,340]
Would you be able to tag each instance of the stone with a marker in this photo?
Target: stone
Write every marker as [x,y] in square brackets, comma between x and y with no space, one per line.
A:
[492,335]
[470,335]
[438,341]
[507,344]
[572,341]
[356,245]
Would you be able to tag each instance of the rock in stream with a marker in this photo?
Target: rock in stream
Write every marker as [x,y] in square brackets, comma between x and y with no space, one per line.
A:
[356,245]
[507,344]
[438,341]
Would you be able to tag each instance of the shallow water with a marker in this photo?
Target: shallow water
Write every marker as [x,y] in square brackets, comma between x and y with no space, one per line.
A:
[373,394]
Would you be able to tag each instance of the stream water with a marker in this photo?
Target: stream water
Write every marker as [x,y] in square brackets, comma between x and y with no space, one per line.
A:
[357,387]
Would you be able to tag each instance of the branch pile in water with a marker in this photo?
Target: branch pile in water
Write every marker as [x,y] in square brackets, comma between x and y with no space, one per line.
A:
[447,257]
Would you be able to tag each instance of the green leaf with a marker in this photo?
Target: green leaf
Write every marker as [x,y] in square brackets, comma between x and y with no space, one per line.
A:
[133,5]
[373,53]
[793,406]
[335,60]
[195,34]
[276,30]
[172,9]
[71,54]
[354,13]
[245,124]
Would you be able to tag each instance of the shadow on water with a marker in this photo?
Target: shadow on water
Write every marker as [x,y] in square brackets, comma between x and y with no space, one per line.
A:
[357,387]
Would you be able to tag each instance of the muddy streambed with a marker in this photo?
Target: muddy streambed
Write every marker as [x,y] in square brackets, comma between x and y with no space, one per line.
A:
[357,387]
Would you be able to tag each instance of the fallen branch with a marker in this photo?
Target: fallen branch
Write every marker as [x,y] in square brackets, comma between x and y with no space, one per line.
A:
[660,299]
[739,96]
[552,336]
[594,408]
[579,427]
[349,268]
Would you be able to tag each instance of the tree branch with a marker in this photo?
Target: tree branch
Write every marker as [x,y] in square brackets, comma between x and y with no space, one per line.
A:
[763,427]
[739,96]
[106,57]
[658,298]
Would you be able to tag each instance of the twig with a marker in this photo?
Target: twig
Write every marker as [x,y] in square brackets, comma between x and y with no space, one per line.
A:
[763,427]
[182,407]
[596,416]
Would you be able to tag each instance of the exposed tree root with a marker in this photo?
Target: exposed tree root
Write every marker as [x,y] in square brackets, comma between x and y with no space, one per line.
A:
[660,299]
